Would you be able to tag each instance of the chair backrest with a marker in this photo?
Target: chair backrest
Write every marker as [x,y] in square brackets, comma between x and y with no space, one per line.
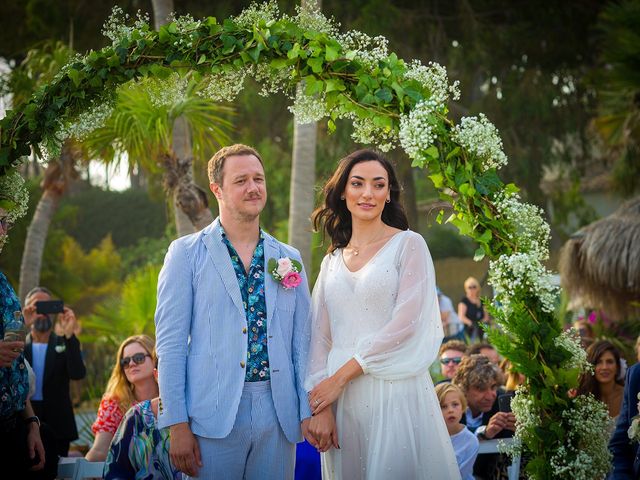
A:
[491,446]
[85,469]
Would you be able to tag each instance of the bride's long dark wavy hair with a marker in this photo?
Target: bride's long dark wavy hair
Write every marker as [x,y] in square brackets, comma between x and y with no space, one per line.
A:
[334,219]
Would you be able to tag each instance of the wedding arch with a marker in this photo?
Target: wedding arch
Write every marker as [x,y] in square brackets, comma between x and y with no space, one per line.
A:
[390,102]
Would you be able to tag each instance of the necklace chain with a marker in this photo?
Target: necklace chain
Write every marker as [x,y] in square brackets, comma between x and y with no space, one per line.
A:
[356,249]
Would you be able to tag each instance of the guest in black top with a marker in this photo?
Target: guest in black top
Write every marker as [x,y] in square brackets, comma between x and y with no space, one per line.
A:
[471,311]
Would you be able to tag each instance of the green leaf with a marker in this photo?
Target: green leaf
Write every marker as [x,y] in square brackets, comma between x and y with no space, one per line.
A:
[313,86]
[384,94]
[294,52]
[316,64]
[453,153]
[272,265]
[478,254]
[297,265]
[334,85]
[331,126]
[202,59]
[331,52]
[74,75]
[438,180]
[432,151]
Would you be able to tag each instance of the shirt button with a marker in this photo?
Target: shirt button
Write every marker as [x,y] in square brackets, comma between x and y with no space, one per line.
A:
[242,364]
[244,330]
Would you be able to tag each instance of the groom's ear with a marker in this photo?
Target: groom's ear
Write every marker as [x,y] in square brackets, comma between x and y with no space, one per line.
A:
[215,189]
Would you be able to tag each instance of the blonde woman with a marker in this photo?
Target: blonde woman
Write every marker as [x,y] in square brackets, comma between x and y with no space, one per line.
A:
[132,381]
[471,311]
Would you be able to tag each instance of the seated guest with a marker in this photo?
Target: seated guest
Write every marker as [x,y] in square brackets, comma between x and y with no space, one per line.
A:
[465,444]
[479,379]
[131,381]
[485,349]
[451,354]
[139,449]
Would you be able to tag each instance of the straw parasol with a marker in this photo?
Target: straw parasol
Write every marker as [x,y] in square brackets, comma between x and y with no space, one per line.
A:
[600,263]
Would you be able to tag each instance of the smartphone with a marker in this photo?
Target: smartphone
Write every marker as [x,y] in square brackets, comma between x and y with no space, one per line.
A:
[50,306]
[504,402]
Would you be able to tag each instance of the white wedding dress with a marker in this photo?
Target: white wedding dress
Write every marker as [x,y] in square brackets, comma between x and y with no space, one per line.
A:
[385,316]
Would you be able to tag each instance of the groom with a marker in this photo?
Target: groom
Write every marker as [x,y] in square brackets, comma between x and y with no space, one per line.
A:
[626,452]
[232,342]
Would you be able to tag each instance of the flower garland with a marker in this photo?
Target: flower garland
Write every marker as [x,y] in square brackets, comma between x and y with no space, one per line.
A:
[354,76]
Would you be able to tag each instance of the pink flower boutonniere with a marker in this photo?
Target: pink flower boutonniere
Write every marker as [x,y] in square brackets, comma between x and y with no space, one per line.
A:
[285,271]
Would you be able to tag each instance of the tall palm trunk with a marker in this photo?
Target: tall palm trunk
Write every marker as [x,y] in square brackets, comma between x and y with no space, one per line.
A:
[55,183]
[190,204]
[303,179]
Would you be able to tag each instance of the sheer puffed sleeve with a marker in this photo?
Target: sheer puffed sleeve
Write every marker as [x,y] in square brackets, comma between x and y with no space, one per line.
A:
[320,331]
[409,342]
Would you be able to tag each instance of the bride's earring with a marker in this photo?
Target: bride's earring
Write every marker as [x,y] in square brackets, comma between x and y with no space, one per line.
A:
[388,200]
[342,197]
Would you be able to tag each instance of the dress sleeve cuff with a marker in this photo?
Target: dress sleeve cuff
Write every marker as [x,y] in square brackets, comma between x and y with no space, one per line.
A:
[362,363]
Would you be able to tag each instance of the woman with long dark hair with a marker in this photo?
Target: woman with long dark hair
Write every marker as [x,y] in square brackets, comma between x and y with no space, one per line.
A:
[376,329]
[606,382]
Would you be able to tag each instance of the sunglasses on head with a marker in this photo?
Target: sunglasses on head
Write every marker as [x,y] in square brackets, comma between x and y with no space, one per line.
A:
[447,360]
[137,358]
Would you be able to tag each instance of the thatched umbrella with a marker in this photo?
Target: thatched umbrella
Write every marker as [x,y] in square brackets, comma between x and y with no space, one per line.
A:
[600,264]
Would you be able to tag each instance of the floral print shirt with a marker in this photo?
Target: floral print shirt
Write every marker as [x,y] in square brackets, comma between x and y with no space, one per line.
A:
[252,290]
[109,416]
[14,380]
[139,449]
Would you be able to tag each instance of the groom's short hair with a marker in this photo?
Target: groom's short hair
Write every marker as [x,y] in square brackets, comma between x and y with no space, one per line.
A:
[216,164]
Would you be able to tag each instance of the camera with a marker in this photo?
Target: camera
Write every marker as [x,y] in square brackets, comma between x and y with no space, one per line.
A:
[49,306]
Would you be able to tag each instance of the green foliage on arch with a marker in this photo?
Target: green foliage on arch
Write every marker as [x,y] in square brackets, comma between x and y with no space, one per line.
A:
[389,101]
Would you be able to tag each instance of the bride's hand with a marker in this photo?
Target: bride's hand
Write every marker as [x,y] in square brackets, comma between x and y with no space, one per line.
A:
[324,394]
[322,428]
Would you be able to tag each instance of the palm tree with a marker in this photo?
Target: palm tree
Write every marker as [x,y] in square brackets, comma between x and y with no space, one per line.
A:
[153,137]
[618,118]
[303,178]
[38,68]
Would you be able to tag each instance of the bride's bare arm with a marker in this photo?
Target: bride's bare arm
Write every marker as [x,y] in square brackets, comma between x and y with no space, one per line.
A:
[328,390]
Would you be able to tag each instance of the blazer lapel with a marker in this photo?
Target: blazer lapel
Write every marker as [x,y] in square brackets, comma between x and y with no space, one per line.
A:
[271,287]
[212,239]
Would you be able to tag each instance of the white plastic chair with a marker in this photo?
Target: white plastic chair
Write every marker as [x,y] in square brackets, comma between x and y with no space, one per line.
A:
[85,469]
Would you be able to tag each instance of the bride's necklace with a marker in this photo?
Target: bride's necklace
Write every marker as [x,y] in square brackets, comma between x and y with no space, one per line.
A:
[356,250]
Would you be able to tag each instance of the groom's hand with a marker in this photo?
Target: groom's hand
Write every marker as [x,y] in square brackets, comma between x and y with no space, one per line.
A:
[184,450]
[304,426]
[322,428]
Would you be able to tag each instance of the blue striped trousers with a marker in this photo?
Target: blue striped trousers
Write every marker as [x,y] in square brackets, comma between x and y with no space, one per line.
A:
[256,448]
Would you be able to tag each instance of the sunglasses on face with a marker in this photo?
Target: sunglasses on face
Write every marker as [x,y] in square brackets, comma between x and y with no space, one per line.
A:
[447,360]
[137,358]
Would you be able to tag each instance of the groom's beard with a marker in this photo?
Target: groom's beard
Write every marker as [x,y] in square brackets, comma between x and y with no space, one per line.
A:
[249,215]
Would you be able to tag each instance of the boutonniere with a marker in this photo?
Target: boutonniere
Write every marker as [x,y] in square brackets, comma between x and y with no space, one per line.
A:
[634,428]
[285,271]
[61,348]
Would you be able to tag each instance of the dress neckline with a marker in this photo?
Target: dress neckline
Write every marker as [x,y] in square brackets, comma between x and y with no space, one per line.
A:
[374,255]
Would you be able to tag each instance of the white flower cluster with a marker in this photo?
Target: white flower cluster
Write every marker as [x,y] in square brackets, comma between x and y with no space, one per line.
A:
[14,196]
[530,231]
[519,273]
[224,86]
[366,132]
[417,129]
[273,81]
[91,119]
[585,455]
[360,46]
[167,92]
[480,137]
[434,78]
[527,418]
[311,18]
[116,28]
[307,108]
[570,341]
[256,13]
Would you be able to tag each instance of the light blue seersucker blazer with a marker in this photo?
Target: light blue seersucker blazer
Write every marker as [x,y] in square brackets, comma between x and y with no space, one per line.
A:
[202,344]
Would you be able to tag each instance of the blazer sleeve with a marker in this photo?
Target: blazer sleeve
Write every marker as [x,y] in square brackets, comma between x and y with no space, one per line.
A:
[620,445]
[173,325]
[75,364]
[302,337]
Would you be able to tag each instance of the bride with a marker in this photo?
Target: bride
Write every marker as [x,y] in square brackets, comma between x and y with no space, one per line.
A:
[376,329]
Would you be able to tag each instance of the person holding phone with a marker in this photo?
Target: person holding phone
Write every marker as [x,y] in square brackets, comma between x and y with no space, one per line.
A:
[56,359]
